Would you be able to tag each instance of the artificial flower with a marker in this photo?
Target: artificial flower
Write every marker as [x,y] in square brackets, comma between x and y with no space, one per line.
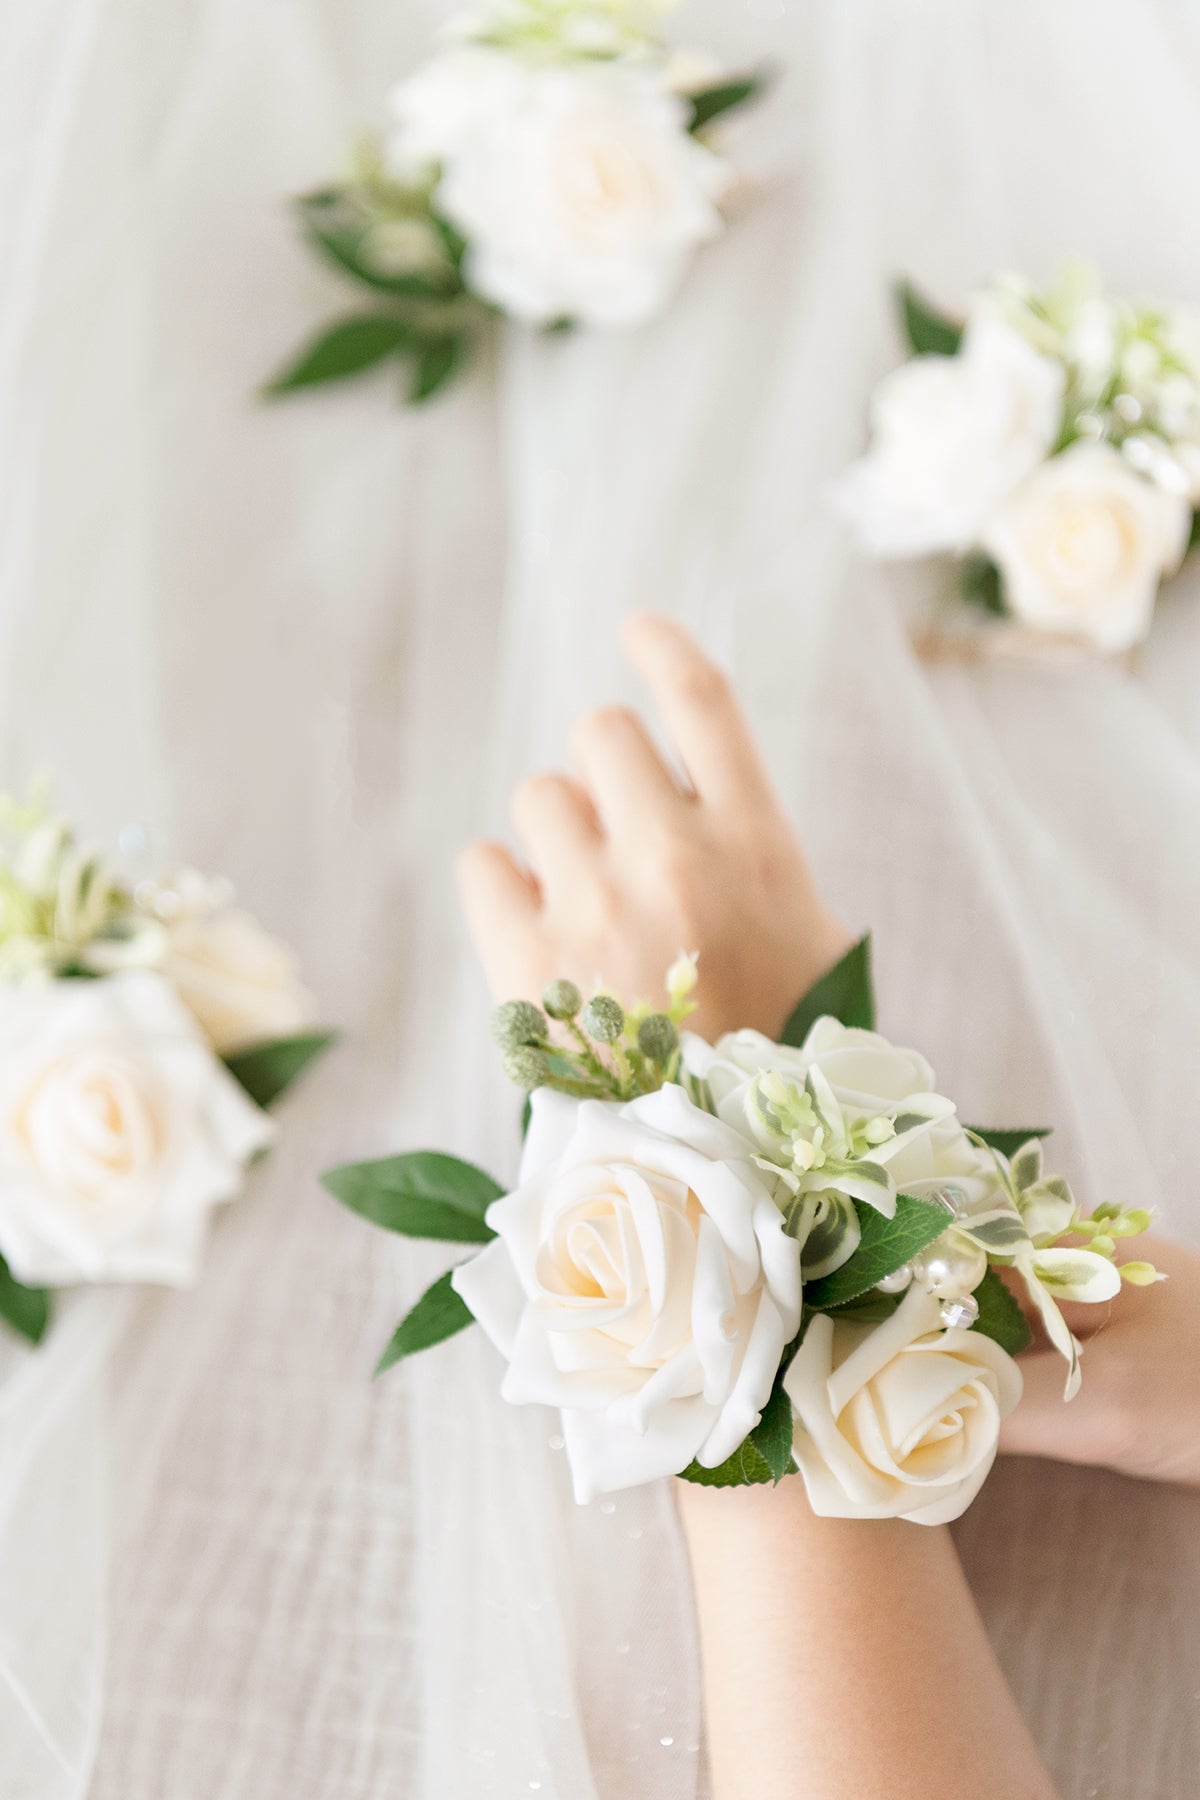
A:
[1083,544]
[242,984]
[951,437]
[578,189]
[641,1281]
[119,1132]
[899,1419]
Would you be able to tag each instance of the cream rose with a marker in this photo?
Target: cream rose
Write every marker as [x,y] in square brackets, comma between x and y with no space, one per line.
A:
[952,437]
[242,984]
[119,1131]
[1083,545]
[899,1420]
[641,1281]
[578,189]
[870,1078]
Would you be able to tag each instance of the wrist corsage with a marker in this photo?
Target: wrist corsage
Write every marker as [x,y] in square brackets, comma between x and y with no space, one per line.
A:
[735,1261]
[553,164]
[1051,444]
[144,1027]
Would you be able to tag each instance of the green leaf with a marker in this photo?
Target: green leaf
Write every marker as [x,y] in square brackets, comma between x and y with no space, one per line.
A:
[772,1436]
[1000,1316]
[338,230]
[712,102]
[345,349]
[265,1070]
[747,1467]
[845,992]
[980,584]
[438,1314]
[423,1194]
[435,361]
[1193,534]
[27,1309]
[1008,1142]
[929,332]
[887,1244]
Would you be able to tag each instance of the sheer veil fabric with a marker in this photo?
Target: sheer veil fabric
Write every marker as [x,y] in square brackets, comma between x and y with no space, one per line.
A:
[314,646]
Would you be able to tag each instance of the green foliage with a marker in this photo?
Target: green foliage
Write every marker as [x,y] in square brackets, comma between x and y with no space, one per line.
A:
[1000,1316]
[886,1245]
[26,1309]
[747,1467]
[342,231]
[766,1454]
[845,992]
[714,102]
[435,362]
[345,349]
[423,1194]
[928,331]
[437,1315]
[980,584]
[1008,1140]
[265,1070]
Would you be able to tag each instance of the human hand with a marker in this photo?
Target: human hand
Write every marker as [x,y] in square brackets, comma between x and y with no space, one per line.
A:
[1138,1410]
[629,862]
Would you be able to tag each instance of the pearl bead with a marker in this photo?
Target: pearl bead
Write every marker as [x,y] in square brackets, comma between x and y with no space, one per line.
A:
[897,1281]
[961,1313]
[948,1269]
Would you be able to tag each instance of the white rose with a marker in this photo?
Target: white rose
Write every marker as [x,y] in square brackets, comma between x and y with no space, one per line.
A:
[242,984]
[952,437]
[119,1131]
[1083,545]
[870,1078]
[579,190]
[898,1420]
[641,1281]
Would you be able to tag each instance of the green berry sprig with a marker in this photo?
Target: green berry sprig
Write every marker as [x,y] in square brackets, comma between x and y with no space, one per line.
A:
[600,1051]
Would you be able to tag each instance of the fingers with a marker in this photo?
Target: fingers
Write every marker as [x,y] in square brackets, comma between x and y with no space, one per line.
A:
[498,898]
[706,723]
[557,824]
[628,779]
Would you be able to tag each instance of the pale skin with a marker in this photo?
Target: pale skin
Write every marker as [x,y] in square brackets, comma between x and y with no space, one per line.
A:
[627,861]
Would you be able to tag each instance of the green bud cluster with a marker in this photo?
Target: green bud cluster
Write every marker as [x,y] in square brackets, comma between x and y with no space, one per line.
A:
[604,1019]
[562,1000]
[517,1023]
[600,1051]
[657,1038]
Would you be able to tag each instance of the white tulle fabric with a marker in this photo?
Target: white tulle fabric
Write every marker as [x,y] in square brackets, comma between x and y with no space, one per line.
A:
[314,645]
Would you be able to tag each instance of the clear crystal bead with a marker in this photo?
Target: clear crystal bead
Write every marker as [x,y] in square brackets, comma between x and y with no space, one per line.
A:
[959,1314]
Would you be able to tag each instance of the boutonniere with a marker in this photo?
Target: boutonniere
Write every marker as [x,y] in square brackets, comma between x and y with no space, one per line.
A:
[1051,444]
[731,1262]
[144,1028]
[552,164]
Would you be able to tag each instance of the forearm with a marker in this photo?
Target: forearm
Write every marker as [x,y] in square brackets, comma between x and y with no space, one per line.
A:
[845,1658]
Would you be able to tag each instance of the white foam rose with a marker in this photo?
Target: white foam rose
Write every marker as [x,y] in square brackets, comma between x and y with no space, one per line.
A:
[870,1078]
[1083,544]
[641,1281]
[898,1420]
[578,188]
[952,436]
[242,984]
[119,1131]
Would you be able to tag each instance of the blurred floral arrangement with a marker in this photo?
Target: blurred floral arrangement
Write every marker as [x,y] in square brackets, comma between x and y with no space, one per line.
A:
[553,163]
[736,1261]
[143,1031]
[1052,443]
